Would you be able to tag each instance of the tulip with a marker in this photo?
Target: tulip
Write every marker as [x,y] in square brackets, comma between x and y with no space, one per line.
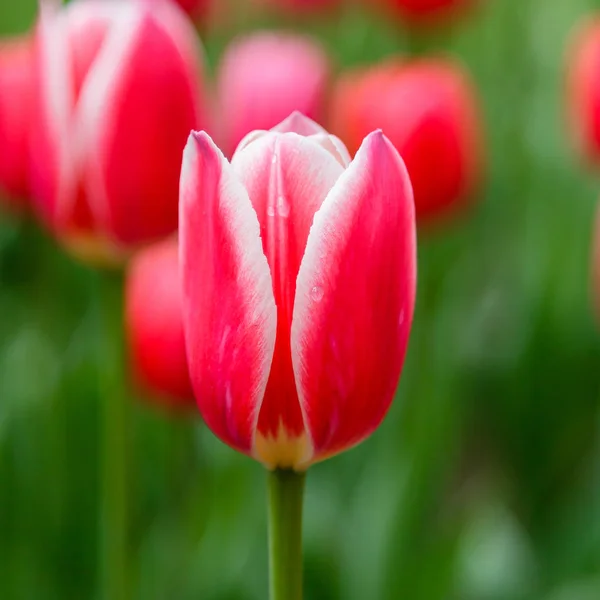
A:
[266,76]
[299,277]
[119,92]
[421,12]
[583,90]
[16,100]
[155,324]
[429,110]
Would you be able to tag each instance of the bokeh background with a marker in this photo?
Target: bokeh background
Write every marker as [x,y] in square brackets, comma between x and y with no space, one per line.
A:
[484,481]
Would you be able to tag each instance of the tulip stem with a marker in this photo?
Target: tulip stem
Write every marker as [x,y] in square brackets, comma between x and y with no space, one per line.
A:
[286,491]
[113,517]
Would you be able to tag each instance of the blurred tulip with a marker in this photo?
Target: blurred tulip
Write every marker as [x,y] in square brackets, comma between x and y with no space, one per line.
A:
[421,12]
[429,110]
[16,102]
[153,316]
[266,76]
[299,276]
[119,92]
[583,89]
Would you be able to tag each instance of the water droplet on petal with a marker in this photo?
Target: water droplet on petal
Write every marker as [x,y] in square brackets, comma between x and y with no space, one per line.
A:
[270,210]
[283,207]
[274,158]
[317,293]
[401,318]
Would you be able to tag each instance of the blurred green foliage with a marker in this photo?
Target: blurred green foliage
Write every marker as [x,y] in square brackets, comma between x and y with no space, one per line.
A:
[484,481]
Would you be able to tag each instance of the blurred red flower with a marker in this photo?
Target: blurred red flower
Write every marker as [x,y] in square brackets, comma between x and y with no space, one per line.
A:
[429,110]
[16,102]
[154,321]
[583,89]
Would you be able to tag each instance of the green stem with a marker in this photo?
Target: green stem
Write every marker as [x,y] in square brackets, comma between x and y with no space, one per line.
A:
[114,410]
[286,490]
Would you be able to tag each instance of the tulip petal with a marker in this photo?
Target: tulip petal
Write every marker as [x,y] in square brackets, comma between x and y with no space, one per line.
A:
[229,311]
[355,299]
[54,181]
[334,146]
[298,123]
[287,177]
[145,73]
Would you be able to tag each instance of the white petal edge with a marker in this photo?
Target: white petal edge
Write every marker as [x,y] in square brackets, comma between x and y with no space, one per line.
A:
[241,211]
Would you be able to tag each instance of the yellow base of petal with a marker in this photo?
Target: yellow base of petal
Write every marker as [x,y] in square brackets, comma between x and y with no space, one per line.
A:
[283,451]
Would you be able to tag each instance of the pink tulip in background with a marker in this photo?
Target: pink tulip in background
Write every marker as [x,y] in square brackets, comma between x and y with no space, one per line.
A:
[299,277]
[119,90]
[430,111]
[153,316]
[16,101]
[266,76]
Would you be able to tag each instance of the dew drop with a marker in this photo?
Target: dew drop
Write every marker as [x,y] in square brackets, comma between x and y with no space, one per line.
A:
[401,318]
[283,207]
[270,210]
[317,293]
[274,158]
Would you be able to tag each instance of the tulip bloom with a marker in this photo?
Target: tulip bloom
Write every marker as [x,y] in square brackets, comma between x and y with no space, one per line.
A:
[299,277]
[119,91]
[16,100]
[583,90]
[153,316]
[429,110]
[266,76]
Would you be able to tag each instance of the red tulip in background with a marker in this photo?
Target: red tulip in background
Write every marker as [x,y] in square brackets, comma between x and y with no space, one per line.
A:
[429,111]
[266,76]
[153,315]
[426,11]
[583,89]
[16,99]
[299,277]
[119,91]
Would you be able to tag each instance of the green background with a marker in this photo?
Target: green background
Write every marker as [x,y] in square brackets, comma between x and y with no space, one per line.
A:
[484,481]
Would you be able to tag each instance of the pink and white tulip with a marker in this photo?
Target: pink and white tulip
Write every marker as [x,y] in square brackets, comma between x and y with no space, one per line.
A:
[154,321]
[16,101]
[299,279]
[119,91]
[266,76]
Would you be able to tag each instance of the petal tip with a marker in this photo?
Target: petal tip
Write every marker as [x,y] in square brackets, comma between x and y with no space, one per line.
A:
[298,123]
